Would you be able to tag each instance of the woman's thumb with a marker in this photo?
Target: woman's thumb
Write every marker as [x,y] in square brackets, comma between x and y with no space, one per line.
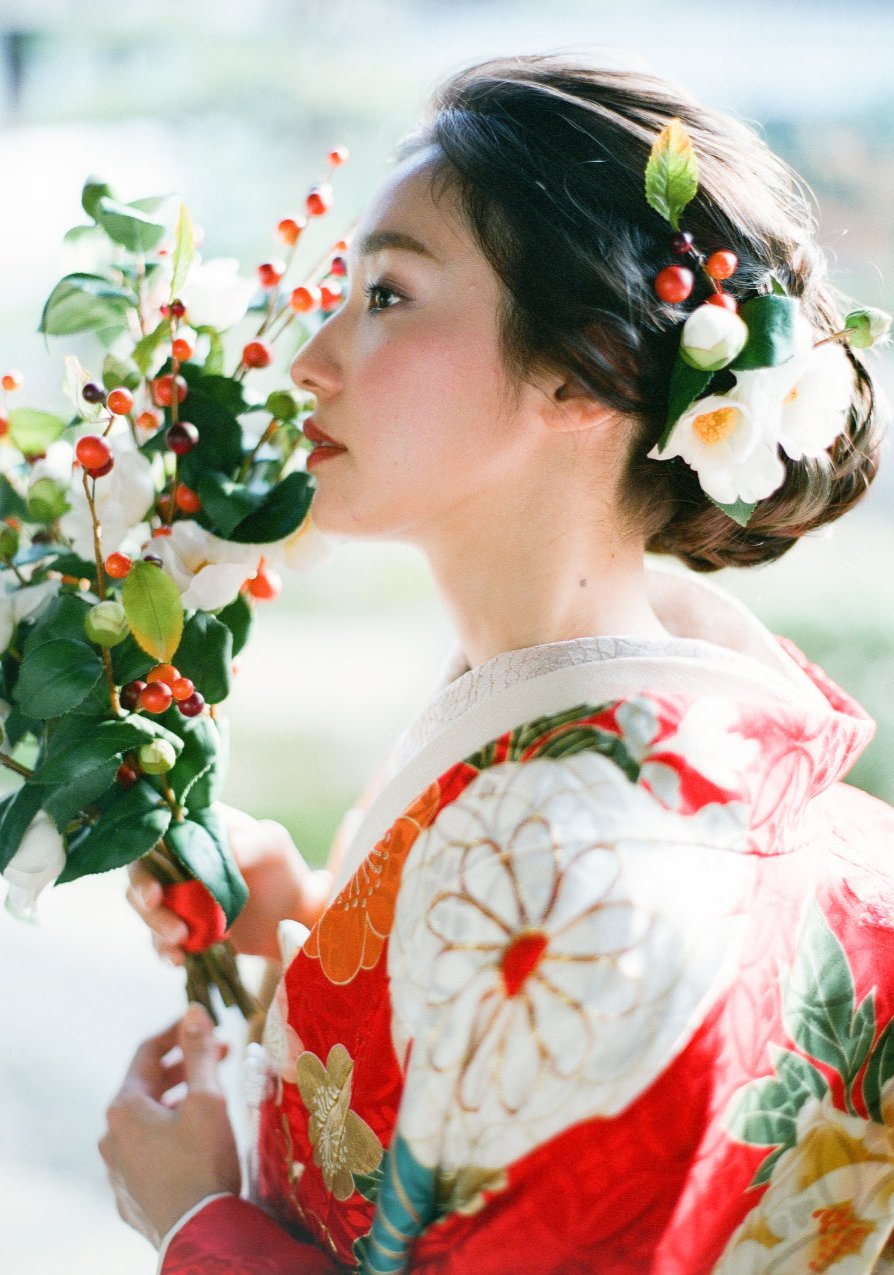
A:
[201,1053]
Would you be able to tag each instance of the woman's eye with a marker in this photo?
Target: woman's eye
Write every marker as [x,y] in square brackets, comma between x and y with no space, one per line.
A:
[378,295]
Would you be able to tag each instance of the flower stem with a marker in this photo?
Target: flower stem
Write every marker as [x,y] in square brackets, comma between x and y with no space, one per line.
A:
[7,761]
[101,590]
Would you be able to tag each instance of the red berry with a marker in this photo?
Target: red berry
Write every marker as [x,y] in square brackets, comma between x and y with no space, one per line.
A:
[681,243]
[13,381]
[192,705]
[101,470]
[176,309]
[338,155]
[182,688]
[674,284]
[130,694]
[257,354]
[163,390]
[330,296]
[117,565]
[148,420]
[205,918]
[182,349]
[725,300]
[91,393]
[270,273]
[153,558]
[319,200]
[187,500]
[4,426]
[156,697]
[289,229]
[93,452]
[163,673]
[305,299]
[265,585]
[126,776]
[338,266]
[720,265]
[181,437]
[162,531]
[120,401]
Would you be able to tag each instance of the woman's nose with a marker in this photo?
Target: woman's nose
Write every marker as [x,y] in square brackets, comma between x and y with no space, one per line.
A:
[313,369]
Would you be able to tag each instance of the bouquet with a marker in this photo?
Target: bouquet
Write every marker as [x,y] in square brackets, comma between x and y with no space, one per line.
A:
[136,534]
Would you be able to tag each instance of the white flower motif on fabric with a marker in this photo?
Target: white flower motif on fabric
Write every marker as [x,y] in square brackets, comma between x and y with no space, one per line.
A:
[830,1202]
[558,937]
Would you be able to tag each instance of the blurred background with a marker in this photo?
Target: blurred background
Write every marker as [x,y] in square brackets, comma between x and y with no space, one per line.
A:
[235,106]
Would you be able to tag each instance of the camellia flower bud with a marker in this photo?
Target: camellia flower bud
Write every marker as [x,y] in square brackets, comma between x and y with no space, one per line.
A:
[867,327]
[157,757]
[106,624]
[712,337]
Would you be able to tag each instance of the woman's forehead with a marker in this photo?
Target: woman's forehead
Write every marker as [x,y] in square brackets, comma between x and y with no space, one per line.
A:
[405,213]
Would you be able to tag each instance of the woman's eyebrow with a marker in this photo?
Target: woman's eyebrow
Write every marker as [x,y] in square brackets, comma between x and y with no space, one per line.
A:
[378,240]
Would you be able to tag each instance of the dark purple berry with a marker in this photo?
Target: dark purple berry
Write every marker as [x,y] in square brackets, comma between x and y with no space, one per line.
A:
[192,706]
[130,694]
[93,393]
[682,243]
[153,558]
[182,437]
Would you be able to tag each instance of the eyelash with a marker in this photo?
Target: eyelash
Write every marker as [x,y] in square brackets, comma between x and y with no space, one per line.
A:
[371,288]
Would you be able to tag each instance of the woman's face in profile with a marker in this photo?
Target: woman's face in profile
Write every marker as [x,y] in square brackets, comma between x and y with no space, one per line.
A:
[408,377]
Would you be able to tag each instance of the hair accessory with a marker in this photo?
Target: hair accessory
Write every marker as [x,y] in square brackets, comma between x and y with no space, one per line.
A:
[781,387]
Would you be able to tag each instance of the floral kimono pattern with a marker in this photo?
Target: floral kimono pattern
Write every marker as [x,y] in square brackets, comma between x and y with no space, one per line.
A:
[613,994]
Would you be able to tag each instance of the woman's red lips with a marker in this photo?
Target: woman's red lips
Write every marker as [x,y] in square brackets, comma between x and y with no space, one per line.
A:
[312,431]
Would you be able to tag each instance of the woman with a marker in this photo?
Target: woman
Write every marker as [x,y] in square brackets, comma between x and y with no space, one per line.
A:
[605,979]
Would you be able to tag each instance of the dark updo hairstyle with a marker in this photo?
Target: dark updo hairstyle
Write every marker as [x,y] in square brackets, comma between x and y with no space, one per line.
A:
[547,157]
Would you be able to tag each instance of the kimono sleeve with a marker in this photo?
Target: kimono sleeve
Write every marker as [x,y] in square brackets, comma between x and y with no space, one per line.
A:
[229,1236]
[559,935]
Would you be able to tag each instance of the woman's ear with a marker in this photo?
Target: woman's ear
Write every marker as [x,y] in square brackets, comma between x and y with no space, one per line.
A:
[566,405]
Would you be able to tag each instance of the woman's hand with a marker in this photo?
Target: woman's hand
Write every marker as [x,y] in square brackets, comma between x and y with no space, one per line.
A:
[281,886]
[163,1159]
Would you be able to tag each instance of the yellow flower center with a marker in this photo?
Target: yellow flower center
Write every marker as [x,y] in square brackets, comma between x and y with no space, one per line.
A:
[841,1234]
[792,394]
[714,427]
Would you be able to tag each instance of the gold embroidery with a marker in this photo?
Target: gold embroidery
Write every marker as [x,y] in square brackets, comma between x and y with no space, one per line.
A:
[343,1143]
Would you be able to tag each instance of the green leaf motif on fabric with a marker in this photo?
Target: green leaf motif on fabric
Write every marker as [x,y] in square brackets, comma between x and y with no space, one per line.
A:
[879,1070]
[560,735]
[671,173]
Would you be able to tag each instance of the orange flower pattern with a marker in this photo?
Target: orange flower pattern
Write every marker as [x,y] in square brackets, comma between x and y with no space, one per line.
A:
[350,934]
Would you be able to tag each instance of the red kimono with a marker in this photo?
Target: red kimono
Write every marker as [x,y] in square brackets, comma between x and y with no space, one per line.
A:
[611,991]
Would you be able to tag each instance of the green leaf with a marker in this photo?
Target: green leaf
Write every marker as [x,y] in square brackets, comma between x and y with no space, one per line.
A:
[862,1033]
[671,173]
[184,248]
[16,813]
[57,676]
[128,225]
[65,801]
[93,191]
[17,726]
[84,303]
[202,846]
[214,363]
[740,512]
[117,372]
[12,505]
[879,1071]
[63,618]
[201,745]
[767,1165]
[129,661]
[89,750]
[237,617]
[763,1113]
[153,608]
[225,502]
[282,512]
[800,1079]
[205,655]
[818,998]
[144,350]
[686,385]
[771,332]
[209,787]
[33,430]
[130,825]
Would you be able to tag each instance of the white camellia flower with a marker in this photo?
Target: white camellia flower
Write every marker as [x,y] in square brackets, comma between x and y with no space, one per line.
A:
[712,337]
[208,571]
[56,463]
[17,603]
[123,498]
[722,437]
[35,865]
[807,399]
[215,294]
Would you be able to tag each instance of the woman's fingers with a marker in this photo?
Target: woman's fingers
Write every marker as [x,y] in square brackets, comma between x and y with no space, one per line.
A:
[145,896]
